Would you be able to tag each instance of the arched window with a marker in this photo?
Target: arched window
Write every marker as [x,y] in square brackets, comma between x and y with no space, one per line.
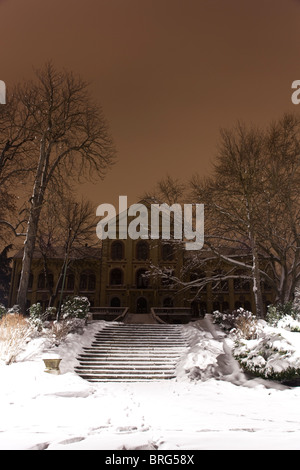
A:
[87,282]
[166,279]
[197,280]
[241,284]
[142,281]
[92,282]
[83,281]
[168,302]
[41,281]
[45,282]
[220,284]
[167,252]
[141,305]
[142,250]
[70,282]
[238,304]
[115,302]
[30,283]
[117,250]
[116,277]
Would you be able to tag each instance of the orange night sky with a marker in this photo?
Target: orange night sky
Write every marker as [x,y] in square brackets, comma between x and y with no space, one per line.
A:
[168,73]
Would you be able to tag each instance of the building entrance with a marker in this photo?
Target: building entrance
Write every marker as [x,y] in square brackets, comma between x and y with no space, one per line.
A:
[141,305]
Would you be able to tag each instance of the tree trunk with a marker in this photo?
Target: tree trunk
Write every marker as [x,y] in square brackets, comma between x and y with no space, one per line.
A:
[32,227]
[257,281]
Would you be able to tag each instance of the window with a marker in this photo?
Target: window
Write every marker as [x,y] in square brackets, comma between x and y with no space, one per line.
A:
[87,282]
[166,279]
[142,281]
[70,282]
[116,277]
[199,308]
[241,284]
[83,281]
[167,252]
[30,283]
[117,250]
[141,305]
[45,282]
[220,285]
[142,250]
[50,281]
[168,302]
[115,302]
[41,281]
[92,282]
[197,280]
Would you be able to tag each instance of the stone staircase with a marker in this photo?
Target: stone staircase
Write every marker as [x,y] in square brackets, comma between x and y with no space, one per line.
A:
[132,352]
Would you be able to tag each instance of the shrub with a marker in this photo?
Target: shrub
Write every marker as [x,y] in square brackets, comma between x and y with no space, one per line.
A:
[15,331]
[75,307]
[270,356]
[38,317]
[59,330]
[240,322]
[15,309]
[2,311]
[224,320]
[246,325]
[276,312]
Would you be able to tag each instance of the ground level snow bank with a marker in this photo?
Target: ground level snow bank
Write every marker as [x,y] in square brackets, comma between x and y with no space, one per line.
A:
[43,411]
[211,355]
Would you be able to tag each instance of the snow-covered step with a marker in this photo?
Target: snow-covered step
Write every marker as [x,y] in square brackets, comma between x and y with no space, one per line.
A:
[132,352]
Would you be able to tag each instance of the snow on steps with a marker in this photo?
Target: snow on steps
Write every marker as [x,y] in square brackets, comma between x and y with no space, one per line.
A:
[132,352]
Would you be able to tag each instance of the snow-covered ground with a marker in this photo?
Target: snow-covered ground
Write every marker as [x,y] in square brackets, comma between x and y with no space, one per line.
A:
[213,406]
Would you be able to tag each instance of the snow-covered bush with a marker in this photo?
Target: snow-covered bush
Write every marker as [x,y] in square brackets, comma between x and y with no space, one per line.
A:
[38,317]
[15,332]
[289,323]
[240,322]
[59,330]
[271,355]
[224,320]
[275,313]
[246,325]
[14,310]
[75,307]
[3,311]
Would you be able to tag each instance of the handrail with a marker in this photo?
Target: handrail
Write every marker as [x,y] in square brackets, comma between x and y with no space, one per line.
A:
[110,310]
[122,314]
[157,318]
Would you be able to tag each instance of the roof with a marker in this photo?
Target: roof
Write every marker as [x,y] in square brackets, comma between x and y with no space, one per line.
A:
[79,252]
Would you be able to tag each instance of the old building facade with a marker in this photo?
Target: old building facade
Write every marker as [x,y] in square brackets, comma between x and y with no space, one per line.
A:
[118,274]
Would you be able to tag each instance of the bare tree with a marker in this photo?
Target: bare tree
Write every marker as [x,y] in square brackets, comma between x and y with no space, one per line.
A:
[281,217]
[252,210]
[15,165]
[67,227]
[71,143]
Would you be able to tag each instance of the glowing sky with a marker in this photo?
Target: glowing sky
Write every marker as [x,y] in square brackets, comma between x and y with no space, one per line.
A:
[168,73]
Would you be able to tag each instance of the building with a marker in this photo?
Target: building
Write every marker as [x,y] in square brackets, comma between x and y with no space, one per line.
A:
[117,277]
